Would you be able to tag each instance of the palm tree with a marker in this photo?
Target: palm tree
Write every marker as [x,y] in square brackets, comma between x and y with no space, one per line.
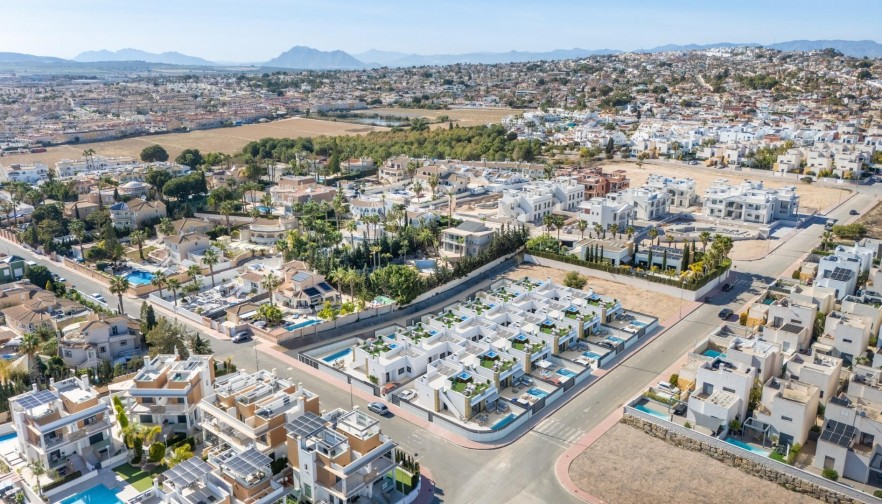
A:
[352,277]
[210,258]
[418,188]
[614,229]
[180,454]
[653,234]
[78,229]
[597,229]
[267,201]
[425,237]
[374,251]
[351,226]
[270,282]
[548,222]
[174,284]
[159,280]
[558,222]
[630,232]
[583,225]
[119,285]
[138,237]
[38,469]
[150,433]
[193,271]
[704,237]
[670,239]
[30,346]
[450,195]
[166,226]
[433,183]
[226,208]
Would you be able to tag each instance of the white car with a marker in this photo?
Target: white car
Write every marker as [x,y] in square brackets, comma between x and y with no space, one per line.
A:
[407,395]
[99,298]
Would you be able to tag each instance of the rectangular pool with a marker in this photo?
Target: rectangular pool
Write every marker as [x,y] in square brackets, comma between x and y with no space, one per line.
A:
[305,323]
[711,353]
[502,423]
[7,437]
[745,446]
[654,413]
[337,355]
[99,494]
[537,392]
[592,355]
[566,372]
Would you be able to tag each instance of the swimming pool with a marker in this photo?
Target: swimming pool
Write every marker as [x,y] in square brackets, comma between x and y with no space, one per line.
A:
[566,372]
[654,413]
[537,392]
[337,355]
[265,209]
[96,495]
[615,339]
[637,323]
[711,353]
[745,446]
[507,419]
[306,323]
[7,437]
[592,355]
[139,277]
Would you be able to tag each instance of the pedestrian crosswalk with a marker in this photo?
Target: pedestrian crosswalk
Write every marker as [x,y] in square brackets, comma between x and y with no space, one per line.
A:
[558,430]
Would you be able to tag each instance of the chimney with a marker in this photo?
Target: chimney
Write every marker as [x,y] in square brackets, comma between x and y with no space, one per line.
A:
[84,379]
[34,387]
[51,382]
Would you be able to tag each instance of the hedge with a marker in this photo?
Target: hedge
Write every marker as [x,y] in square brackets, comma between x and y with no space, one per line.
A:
[632,272]
[57,483]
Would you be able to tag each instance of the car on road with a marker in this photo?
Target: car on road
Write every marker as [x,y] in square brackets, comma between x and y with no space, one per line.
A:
[727,287]
[99,298]
[378,408]
[853,212]
[693,163]
[241,336]
[725,313]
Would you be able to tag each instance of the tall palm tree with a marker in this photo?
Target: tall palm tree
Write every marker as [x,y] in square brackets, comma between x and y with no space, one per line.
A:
[418,189]
[614,230]
[138,237]
[174,284]
[210,258]
[375,249]
[598,229]
[267,201]
[160,281]
[270,282]
[351,226]
[670,239]
[548,223]
[30,346]
[704,237]
[78,229]
[434,181]
[193,271]
[119,285]
[226,208]
[583,225]
[653,234]
[558,222]
[166,226]
[38,469]
[450,195]
[629,231]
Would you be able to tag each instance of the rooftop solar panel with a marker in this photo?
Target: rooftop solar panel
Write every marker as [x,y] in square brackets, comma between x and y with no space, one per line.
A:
[247,462]
[36,399]
[188,472]
[305,425]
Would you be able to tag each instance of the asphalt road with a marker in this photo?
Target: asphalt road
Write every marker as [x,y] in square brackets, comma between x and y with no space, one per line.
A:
[523,471]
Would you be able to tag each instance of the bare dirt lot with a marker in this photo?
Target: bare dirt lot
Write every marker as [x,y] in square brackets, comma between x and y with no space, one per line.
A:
[228,140]
[873,221]
[626,466]
[462,117]
[650,303]
[811,196]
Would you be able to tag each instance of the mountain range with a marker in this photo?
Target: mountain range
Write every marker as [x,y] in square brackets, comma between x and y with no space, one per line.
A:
[307,58]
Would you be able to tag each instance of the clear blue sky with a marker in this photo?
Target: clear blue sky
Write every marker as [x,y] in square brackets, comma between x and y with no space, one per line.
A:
[256,30]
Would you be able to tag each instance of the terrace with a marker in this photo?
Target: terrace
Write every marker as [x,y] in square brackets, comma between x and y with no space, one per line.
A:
[492,360]
[418,332]
[378,346]
[465,384]
[523,344]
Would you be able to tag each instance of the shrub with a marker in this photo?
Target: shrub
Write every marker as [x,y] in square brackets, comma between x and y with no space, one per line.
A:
[674,379]
[156,452]
[138,444]
[575,280]
[796,273]
[277,465]
[877,493]
[794,452]
[688,425]
[830,474]
[742,319]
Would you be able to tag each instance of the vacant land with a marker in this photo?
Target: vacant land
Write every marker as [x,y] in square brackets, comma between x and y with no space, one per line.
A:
[625,466]
[650,303]
[462,117]
[228,140]
[873,221]
[811,196]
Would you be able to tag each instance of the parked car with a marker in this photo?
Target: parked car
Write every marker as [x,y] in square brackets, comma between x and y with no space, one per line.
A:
[241,336]
[99,298]
[725,313]
[853,212]
[389,387]
[680,409]
[407,395]
[378,408]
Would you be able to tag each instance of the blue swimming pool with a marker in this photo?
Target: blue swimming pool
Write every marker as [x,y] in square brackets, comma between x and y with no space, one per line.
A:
[615,339]
[337,355]
[537,392]
[654,413]
[745,446]
[306,323]
[96,495]
[592,355]
[137,278]
[711,353]
[507,419]
[7,437]
[566,372]
[637,323]
[265,209]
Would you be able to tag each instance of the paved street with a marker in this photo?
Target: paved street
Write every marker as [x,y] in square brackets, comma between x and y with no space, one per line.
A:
[523,471]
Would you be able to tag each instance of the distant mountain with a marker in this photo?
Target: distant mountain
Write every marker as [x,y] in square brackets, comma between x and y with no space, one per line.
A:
[11,57]
[168,58]
[307,58]
[395,59]
[855,48]
[693,47]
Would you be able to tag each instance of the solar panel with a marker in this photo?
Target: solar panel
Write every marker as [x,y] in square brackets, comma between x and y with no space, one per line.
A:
[247,462]
[305,425]
[36,399]
[841,274]
[187,472]
[838,433]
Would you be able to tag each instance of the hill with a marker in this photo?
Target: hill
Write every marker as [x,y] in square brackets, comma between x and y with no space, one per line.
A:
[307,58]
[855,48]
[168,58]
[11,57]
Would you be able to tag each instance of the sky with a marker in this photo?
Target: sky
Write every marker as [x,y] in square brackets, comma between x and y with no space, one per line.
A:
[257,30]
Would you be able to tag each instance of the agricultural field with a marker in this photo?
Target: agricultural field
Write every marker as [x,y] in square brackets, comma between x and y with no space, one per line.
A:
[462,117]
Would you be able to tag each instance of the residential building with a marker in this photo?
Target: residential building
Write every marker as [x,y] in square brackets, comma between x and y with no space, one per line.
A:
[267,231]
[135,212]
[100,338]
[680,191]
[303,289]
[750,202]
[606,211]
[12,268]
[648,203]
[190,225]
[80,209]
[817,369]
[190,482]
[181,246]
[660,256]
[722,392]
[787,410]
[363,207]
[30,174]
[42,309]
[468,239]
[847,335]
[762,355]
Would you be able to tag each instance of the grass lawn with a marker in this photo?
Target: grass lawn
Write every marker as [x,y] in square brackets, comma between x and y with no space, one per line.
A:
[777,456]
[137,477]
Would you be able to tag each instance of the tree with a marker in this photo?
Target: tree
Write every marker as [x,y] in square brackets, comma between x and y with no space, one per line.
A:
[119,285]
[167,338]
[226,208]
[327,312]
[189,157]
[434,181]
[269,283]
[210,259]
[166,227]
[194,272]
[653,234]
[401,283]
[199,345]
[39,275]
[159,281]
[30,346]
[78,229]
[148,318]
[629,231]
[180,454]
[174,284]
[575,280]
[156,452]
[153,154]
[138,237]
[704,237]
[614,230]
[548,222]
[582,226]
[38,469]
[158,178]
[271,313]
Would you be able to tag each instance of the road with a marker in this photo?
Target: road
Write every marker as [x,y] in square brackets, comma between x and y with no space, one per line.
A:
[522,472]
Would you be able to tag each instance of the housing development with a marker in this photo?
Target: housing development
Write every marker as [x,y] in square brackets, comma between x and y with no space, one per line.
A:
[543,281]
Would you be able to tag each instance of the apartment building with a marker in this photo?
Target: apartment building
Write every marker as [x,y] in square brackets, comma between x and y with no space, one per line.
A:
[250,410]
[364,207]
[648,203]
[680,191]
[100,338]
[340,457]
[847,335]
[532,202]
[787,410]
[817,369]
[30,174]
[722,392]
[606,211]
[167,392]
[750,202]
[66,427]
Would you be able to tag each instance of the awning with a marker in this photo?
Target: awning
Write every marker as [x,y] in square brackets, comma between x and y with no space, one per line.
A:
[544,364]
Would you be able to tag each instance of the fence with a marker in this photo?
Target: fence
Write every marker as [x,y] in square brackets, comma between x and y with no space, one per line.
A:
[745,460]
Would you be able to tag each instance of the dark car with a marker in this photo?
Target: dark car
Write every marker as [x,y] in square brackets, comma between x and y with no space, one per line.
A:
[727,287]
[853,212]
[680,409]
[725,313]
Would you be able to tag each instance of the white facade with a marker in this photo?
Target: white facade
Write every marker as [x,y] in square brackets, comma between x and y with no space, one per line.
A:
[606,212]
[29,174]
[789,408]
[722,391]
[647,203]
[532,202]
[750,202]
[681,191]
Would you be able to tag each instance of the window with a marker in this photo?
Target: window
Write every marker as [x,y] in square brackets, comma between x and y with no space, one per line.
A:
[123,343]
[727,389]
[102,349]
[147,400]
[146,419]
[846,340]
[67,353]
[786,419]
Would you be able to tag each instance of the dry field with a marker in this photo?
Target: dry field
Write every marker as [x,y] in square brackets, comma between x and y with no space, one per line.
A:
[651,303]
[462,117]
[811,196]
[625,465]
[228,140]
[751,249]
[873,221]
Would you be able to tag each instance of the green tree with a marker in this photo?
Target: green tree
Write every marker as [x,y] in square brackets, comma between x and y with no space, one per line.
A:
[156,452]
[269,283]
[78,229]
[271,313]
[138,237]
[154,153]
[575,280]
[119,285]
[180,454]
[159,281]
[166,227]
[190,157]
[210,259]
[174,284]
[148,318]
[226,208]
[38,469]
[158,178]
[199,345]
[39,275]
[166,338]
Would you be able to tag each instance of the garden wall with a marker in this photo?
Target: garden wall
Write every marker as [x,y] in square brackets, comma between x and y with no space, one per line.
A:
[765,468]
[640,283]
[458,281]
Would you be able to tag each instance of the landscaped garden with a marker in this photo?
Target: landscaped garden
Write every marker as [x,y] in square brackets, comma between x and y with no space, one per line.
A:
[138,477]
